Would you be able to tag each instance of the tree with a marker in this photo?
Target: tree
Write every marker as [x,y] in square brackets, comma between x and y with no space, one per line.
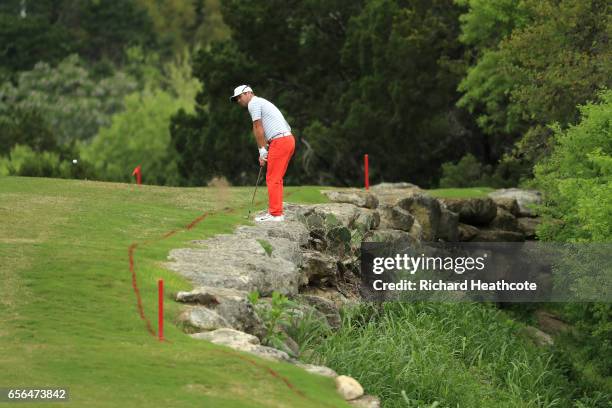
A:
[576,180]
[551,58]
[140,135]
[49,31]
[72,104]
[351,78]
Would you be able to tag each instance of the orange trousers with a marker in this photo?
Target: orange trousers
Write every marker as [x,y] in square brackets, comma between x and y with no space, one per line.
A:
[279,154]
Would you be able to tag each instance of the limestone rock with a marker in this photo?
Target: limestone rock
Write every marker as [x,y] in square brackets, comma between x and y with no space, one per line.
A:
[524,198]
[426,210]
[266,352]
[348,387]
[509,204]
[395,217]
[319,370]
[475,211]
[466,232]
[338,241]
[528,225]
[504,220]
[203,318]
[226,337]
[333,214]
[448,227]
[366,401]
[338,299]
[326,307]
[243,342]
[394,186]
[391,194]
[240,262]
[360,198]
[317,267]
[230,304]
[395,238]
[367,220]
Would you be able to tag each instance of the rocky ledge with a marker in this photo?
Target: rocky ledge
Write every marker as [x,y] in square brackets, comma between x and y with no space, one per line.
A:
[313,258]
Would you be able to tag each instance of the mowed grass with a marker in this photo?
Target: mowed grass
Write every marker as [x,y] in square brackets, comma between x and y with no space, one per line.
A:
[68,315]
[471,192]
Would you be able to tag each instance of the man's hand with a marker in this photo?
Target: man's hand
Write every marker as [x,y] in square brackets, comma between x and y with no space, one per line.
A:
[263,156]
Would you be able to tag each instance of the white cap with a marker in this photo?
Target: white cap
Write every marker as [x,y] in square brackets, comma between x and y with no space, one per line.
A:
[239,90]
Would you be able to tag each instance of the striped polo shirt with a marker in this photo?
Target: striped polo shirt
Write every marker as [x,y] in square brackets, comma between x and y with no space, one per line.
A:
[272,119]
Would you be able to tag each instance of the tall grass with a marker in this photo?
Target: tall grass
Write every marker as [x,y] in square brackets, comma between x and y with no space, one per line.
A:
[444,355]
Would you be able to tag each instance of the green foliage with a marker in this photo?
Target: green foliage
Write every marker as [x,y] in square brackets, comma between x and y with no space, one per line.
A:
[72,103]
[487,22]
[276,316]
[180,24]
[456,354]
[577,177]
[373,76]
[23,161]
[549,57]
[138,136]
[25,127]
[469,172]
[307,329]
[266,246]
[577,183]
[49,31]
[61,238]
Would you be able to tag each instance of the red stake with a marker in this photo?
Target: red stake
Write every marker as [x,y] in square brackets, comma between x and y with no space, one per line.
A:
[160,323]
[137,173]
[367,177]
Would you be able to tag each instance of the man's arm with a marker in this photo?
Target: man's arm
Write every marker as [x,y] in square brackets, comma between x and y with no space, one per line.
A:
[258,132]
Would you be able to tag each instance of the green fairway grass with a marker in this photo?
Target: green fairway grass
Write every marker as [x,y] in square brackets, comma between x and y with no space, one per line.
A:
[471,192]
[68,314]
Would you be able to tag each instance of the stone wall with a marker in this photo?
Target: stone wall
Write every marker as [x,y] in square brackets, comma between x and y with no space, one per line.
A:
[313,258]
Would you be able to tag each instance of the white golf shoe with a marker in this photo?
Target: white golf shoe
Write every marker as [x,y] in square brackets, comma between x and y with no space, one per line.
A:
[269,217]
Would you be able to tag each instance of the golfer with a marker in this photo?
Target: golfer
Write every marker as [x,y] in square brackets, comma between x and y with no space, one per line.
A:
[272,130]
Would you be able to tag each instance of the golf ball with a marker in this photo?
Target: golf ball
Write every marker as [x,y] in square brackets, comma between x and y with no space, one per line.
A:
[75,161]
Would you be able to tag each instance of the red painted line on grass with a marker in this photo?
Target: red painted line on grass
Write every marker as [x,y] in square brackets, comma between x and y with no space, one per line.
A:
[191,225]
[268,369]
[170,233]
[195,222]
[275,375]
[131,250]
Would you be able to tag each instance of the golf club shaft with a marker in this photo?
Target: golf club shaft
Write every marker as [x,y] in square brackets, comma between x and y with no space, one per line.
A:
[255,192]
[256,184]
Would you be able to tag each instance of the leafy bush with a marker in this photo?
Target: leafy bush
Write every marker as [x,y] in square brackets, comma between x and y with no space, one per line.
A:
[23,161]
[469,172]
[140,134]
[137,136]
[25,127]
[275,316]
[72,103]
[577,178]
[577,183]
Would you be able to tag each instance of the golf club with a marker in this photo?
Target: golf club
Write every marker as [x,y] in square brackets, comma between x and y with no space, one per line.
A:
[254,192]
